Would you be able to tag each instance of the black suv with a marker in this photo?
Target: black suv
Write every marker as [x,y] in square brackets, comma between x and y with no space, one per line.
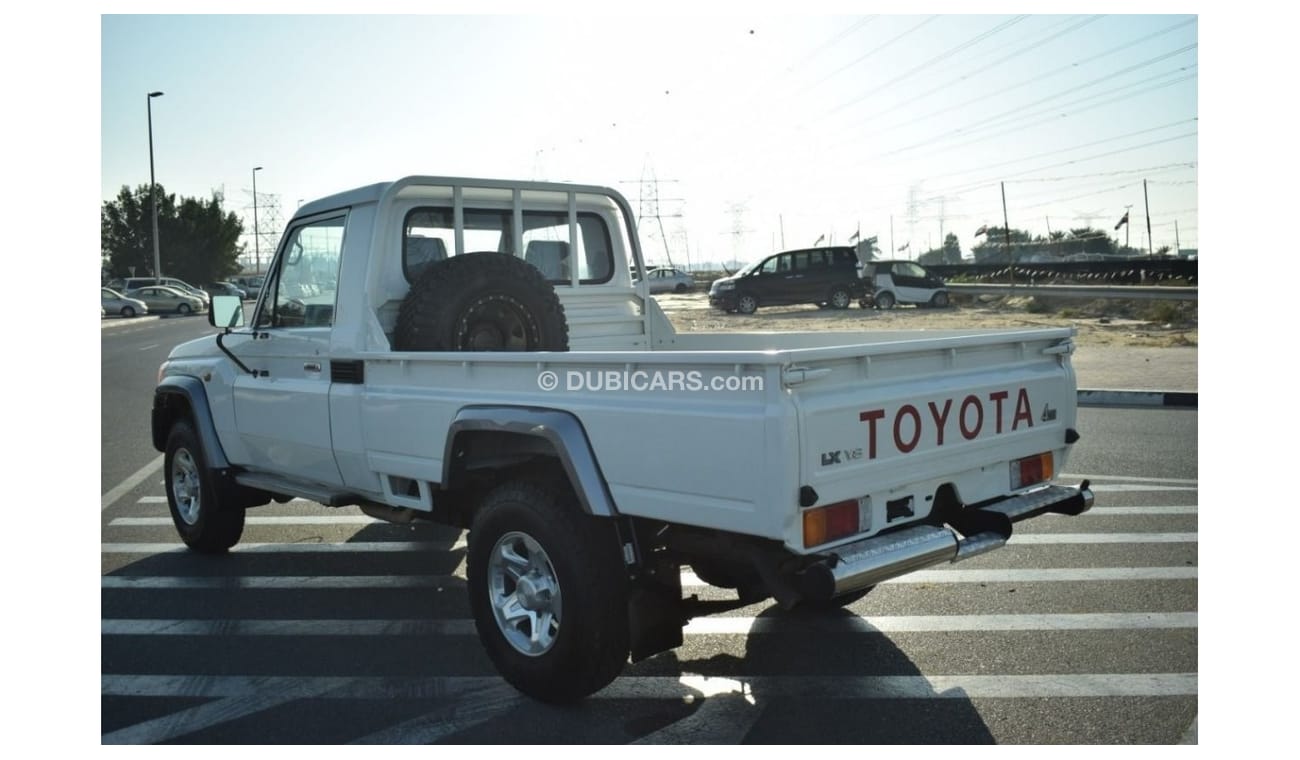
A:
[824,276]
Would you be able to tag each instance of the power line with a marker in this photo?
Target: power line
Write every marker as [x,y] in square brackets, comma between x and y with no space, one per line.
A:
[946,54]
[871,52]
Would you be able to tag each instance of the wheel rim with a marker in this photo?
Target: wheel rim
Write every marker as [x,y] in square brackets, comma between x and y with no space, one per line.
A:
[185,486]
[494,323]
[840,299]
[183,308]
[886,301]
[524,593]
[748,304]
[128,312]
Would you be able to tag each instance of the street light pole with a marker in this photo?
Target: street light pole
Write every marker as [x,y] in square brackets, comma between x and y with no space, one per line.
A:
[153,190]
[257,252]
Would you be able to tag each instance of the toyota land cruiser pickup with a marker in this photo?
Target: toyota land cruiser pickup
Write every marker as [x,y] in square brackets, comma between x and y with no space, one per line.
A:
[476,353]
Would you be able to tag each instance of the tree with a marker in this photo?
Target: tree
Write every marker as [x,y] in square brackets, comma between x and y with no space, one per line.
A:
[198,240]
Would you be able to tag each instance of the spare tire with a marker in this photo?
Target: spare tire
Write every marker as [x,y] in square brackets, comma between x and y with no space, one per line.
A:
[481,302]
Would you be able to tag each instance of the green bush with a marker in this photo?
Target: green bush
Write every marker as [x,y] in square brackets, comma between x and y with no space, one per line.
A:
[1163,312]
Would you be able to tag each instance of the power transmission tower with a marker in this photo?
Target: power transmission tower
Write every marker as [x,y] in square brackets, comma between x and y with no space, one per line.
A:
[738,231]
[648,207]
[270,223]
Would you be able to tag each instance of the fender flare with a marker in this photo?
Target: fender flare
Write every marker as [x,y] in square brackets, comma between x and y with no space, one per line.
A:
[177,387]
[560,429]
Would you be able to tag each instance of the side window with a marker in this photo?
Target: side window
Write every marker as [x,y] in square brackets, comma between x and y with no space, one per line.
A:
[770,266]
[305,281]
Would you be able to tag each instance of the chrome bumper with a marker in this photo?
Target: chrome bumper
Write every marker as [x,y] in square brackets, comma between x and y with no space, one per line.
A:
[976,530]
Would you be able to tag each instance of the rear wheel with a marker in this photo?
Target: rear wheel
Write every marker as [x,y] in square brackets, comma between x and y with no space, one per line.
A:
[548,591]
[885,300]
[940,300]
[204,523]
[681,288]
[840,298]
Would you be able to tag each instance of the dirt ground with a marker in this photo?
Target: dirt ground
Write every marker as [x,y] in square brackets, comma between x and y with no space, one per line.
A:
[1151,324]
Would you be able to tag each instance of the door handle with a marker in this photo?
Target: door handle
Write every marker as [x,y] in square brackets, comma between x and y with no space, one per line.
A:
[312,366]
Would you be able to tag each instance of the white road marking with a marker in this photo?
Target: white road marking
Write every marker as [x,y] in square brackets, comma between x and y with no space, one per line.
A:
[1124,511]
[1129,488]
[1102,538]
[1072,476]
[146,348]
[125,486]
[298,582]
[668,687]
[702,626]
[466,708]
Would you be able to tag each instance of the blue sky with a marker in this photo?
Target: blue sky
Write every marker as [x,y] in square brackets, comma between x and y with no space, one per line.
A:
[764,131]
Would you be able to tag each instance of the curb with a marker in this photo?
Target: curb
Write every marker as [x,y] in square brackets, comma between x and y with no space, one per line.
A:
[1169,399]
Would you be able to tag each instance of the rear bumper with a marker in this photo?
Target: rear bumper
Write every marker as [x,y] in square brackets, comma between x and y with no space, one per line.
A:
[974,531]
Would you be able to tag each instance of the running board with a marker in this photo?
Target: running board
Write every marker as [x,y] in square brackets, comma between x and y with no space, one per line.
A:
[309,491]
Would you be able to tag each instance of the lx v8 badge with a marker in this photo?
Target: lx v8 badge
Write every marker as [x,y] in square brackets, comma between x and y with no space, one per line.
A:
[840,457]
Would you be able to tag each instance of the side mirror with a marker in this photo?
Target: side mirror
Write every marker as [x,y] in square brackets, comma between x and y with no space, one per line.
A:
[227,312]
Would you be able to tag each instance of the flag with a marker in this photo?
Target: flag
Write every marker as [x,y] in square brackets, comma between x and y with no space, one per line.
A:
[904,246]
[984,228]
[1123,221]
[854,236]
[819,240]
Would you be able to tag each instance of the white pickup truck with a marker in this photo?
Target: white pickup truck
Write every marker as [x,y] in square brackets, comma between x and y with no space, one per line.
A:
[475,352]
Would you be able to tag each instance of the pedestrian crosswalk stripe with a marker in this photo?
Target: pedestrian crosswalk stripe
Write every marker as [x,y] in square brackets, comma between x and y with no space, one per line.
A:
[300,582]
[710,625]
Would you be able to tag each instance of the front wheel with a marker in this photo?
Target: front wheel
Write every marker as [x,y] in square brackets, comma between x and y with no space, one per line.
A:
[884,300]
[183,309]
[747,304]
[128,312]
[203,522]
[548,591]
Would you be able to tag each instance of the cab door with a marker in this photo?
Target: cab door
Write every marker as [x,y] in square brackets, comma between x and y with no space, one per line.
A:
[282,412]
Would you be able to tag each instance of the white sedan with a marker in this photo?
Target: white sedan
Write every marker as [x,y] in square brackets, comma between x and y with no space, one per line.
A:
[668,280]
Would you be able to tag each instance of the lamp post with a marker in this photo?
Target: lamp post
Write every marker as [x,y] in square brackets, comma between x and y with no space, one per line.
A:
[257,252]
[153,190]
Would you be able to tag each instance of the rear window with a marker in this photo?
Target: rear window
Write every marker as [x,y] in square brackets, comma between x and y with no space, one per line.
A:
[429,236]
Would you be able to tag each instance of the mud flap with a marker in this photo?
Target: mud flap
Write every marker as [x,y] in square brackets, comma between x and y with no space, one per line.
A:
[655,613]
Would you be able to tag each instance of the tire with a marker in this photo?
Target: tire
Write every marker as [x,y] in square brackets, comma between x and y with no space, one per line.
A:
[885,300]
[183,309]
[481,302]
[128,312]
[940,300]
[840,298]
[204,523]
[746,304]
[681,288]
[576,587]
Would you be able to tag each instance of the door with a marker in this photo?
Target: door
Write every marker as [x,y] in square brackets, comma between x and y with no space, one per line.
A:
[282,414]
[912,283]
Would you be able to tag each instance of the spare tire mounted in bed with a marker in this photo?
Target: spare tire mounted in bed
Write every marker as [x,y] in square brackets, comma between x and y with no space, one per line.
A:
[481,302]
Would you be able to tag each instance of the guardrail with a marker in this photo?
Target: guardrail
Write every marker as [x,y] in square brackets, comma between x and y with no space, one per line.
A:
[1079,291]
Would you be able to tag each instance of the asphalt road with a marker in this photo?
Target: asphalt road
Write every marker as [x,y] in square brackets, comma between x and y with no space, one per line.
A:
[327,627]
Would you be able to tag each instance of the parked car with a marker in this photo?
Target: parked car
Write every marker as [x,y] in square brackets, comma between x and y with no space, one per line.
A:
[812,275]
[669,280]
[135,283]
[163,299]
[895,282]
[116,303]
[227,289]
[252,285]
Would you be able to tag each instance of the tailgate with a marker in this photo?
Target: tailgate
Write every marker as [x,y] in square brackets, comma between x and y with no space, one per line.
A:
[894,426]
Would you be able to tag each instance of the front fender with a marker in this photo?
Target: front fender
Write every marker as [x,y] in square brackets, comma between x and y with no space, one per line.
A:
[179,396]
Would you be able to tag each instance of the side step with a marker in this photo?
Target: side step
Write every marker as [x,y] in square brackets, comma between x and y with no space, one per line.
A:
[309,491]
